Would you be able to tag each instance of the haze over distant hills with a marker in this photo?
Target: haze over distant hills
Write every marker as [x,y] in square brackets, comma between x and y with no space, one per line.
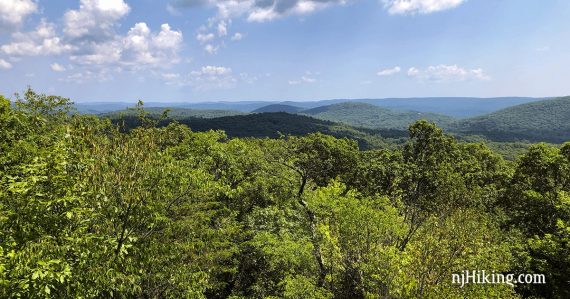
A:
[545,120]
[456,107]
[278,108]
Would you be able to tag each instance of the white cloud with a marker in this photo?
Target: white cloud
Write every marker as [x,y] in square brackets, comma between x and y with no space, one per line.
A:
[88,35]
[170,76]
[306,78]
[42,41]
[56,67]
[90,75]
[215,70]
[447,73]
[13,12]
[419,6]
[95,19]
[389,71]
[139,49]
[211,49]
[237,36]
[543,49]
[205,37]
[5,65]
[413,72]
[267,10]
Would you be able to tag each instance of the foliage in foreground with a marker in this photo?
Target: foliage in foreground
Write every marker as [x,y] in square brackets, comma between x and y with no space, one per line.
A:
[87,210]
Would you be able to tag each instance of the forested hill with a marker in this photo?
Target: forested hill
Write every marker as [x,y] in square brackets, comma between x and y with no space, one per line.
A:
[371,116]
[547,120]
[273,125]
[175,113]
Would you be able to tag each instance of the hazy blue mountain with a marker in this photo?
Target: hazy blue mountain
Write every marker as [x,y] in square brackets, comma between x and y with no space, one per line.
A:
[278,108]
[457,107]
[371,116]
[177,113]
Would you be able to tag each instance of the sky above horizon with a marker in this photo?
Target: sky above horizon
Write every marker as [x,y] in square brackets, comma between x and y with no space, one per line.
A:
[206,50]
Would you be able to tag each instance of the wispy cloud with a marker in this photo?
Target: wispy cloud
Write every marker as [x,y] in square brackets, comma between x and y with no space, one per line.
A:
[237,36]
[389,71]
[447,73]
[308,78]
[209,77]
[56,67]
[5,65]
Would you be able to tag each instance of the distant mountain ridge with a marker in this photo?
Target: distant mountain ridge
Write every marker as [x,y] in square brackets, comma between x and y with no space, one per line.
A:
[460,107]
[371,116]
[278,108]
[547,120]
[176,113]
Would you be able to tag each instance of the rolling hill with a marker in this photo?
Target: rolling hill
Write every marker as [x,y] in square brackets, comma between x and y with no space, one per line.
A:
[177,113]
[274,124]
[371,116]
[547,120]
[278,108]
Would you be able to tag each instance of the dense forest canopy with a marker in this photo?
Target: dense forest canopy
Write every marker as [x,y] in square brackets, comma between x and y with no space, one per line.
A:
[91,209]
[547,120]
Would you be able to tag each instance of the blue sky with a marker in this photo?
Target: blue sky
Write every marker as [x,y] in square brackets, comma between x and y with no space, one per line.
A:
[201,50]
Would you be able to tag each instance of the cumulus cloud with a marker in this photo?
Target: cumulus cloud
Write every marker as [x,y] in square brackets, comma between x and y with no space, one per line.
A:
[56,67]
[5,65]
[95,19]
[447,73]
[419,6]
[88,36]
[140,48]
[42,41]
[13,12]
[260,10]
[389,71]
